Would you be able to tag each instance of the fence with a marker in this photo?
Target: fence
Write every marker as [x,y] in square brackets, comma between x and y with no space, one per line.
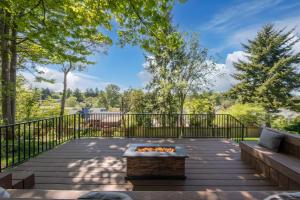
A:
[19,142]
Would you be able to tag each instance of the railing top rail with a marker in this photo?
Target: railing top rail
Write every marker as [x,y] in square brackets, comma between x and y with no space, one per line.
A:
[33,121]
[106,113]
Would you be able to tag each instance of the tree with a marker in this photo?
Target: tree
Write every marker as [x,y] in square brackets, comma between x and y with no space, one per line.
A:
[78,95]
[113,95]
[102,100]
[160,64]
[135,101]
[182,71]
[269,75]
[71,101]
[204,103]
[29,32]
[69,93]
[249,114]
[192,70]
[66,69]
[45,93]
[28,101]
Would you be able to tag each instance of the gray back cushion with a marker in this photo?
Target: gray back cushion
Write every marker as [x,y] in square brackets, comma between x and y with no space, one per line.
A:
[270,139]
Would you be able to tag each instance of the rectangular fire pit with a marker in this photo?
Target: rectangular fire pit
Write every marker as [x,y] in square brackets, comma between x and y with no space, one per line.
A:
[155,161]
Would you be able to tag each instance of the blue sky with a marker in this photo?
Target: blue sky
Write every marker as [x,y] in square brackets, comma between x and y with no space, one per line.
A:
[222,24]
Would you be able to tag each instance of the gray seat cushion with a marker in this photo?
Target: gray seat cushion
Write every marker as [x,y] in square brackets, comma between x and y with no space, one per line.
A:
[270,139]
[106,196]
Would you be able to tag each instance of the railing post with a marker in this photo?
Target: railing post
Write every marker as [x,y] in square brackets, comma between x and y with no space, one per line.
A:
[1,149]
[13,144]
[243,132]
[79,121]
[227,126]
[74,128]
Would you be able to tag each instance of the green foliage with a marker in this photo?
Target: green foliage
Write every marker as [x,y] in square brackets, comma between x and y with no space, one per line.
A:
[30,104]
[179,72]
[269,75]
[110,97]
[71,101]
[136,101]
[113,95]
[294,104]
[204,103]
[292,125]
[27,103]
[45,93]
[67,32]
[78,95]
[249,114]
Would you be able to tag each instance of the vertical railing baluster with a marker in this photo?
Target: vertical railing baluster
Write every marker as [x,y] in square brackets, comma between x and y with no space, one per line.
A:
[12,131]
[1,158]
[38,137]
[6,146]
[19,143]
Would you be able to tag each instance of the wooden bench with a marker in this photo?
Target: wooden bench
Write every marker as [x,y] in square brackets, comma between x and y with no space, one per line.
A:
[6,180]
[17,180]
[23,180]
[282,168]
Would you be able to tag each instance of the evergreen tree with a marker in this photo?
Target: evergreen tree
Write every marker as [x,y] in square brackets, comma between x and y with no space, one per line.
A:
[78,95]
[269,75]
[46,92]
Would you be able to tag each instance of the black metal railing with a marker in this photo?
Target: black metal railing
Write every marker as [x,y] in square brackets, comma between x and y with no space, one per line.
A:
[21,141]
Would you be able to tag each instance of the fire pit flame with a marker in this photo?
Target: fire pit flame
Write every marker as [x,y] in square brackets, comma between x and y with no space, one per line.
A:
[155,149]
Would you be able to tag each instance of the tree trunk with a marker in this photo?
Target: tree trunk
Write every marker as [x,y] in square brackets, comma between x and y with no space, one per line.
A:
[13,72]
[63,98]
[5,76]
[181,116]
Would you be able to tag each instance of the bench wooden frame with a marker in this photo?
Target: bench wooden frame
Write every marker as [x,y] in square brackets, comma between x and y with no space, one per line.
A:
[282,168]
[17,180]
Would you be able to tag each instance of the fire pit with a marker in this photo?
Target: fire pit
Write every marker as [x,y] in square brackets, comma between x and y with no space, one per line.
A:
[155,161]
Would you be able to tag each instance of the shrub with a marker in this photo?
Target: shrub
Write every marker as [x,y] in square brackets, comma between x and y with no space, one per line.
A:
[281,123]
[249,114]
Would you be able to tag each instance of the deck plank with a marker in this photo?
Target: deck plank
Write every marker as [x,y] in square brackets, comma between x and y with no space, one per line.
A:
[97,164]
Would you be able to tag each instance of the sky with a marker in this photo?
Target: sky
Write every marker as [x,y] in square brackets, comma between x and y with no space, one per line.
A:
[222,24]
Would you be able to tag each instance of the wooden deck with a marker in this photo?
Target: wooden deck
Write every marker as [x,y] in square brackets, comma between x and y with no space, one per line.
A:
[97,164]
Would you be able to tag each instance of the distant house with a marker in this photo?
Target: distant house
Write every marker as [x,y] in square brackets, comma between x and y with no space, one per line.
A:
[98,110]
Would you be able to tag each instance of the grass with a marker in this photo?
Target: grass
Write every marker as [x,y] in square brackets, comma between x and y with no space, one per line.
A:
[251,139]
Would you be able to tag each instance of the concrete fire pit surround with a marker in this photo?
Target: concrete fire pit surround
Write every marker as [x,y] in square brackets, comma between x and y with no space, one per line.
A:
[155,165]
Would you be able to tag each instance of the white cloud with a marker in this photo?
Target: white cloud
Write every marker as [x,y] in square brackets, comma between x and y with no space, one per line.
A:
[145,77]
[224,80]
[231,17]
[78,80]
[242,35]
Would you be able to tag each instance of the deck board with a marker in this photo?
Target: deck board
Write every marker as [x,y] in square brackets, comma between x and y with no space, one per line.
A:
[97,164]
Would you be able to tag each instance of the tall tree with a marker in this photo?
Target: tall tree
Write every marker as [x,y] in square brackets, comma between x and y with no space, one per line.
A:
[66,69]
[78,95]
[113,95]
[136,101]
[160,64]
[269,75]
[29,31]
[179,72]
[192,70]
